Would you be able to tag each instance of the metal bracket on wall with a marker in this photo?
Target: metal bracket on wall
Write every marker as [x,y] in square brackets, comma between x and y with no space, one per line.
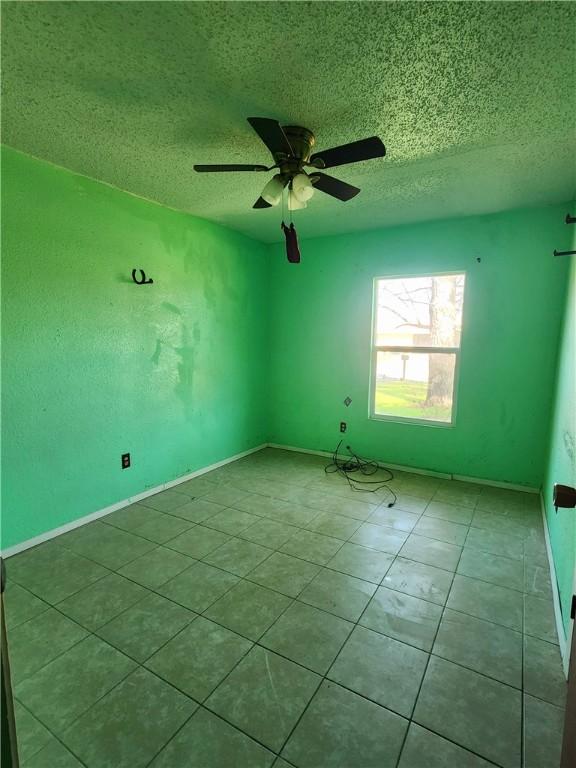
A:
[569,220]
[142,280]
[563,496]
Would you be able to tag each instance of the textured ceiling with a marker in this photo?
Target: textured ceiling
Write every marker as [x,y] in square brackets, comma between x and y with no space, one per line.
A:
[476,102]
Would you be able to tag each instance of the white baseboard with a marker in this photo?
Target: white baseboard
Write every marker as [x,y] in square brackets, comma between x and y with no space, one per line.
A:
[9,551]
[418,471]
[562,639]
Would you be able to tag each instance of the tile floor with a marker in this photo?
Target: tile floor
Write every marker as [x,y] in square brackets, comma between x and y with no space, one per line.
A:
[266,615]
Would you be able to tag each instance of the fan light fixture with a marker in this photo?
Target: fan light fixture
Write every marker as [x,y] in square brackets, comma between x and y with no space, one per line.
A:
[272,192]
[302,187]
[294,203]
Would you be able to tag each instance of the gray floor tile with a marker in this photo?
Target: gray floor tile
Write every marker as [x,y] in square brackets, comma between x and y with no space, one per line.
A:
[198,510]
[307,636]
[433,528]
[543,727]
[130,723]
[537,581]
[156,567]
[419,580]
[431,552]
[131,517]
[198,586]
[500,524]
[338,526]
[20,605]
[486,719]
[248,609]
[311,546]
[337,593]
[165,501]
[264,696]
[145,627]
[379,537]
[31,735]
[238,556]
[296,515]
[341,729]
[543,673]
[226,494]
[421,486]
[198,541]
[199,657]
[457,492]
[382,669]
[492,568]
[480,645]
[66,687]
[502,499]
[99,603]
[411,503]
[207,741]
[38,641]
[362,562]
[504,553]
[424,749]
[231,521]
[535,548]
[486,601]
[54,755]
[359,510]
[539,618]
[453,514]
[269,533]
[266,506]
[281,763]
[394,518]
[284,573]
[195,487]
[403,617]
[305,497]
[53,573]
[496,543]
[106,545]
[162,528]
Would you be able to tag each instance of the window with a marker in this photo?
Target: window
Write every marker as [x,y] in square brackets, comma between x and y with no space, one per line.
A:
[416,338]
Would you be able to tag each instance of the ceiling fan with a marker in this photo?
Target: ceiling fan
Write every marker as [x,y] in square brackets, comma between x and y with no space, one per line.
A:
[291,148]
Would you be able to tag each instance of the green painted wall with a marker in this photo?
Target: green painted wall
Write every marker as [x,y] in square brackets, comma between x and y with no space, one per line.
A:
[512,315]
[562,454]
[94,366]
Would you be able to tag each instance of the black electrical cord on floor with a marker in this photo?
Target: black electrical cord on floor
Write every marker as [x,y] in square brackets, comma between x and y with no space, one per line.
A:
[346,467]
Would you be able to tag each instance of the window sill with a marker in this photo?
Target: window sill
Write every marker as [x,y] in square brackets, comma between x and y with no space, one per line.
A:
[415,422]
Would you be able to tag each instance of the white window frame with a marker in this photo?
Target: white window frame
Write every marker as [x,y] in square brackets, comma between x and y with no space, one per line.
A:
[387,348]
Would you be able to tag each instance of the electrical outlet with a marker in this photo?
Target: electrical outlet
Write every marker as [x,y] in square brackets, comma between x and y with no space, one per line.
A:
[343,426]
[125,460]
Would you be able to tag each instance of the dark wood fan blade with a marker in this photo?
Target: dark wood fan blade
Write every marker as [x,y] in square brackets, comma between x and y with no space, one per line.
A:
[334,187]
[271,133]
[224,168]
[365,149]
[261,203]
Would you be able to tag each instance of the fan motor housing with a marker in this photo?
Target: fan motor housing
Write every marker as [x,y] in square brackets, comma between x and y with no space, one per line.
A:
[301,140]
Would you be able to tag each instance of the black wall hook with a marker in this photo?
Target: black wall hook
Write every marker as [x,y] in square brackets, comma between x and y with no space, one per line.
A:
[143,280]
[570,219]
[564,253]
